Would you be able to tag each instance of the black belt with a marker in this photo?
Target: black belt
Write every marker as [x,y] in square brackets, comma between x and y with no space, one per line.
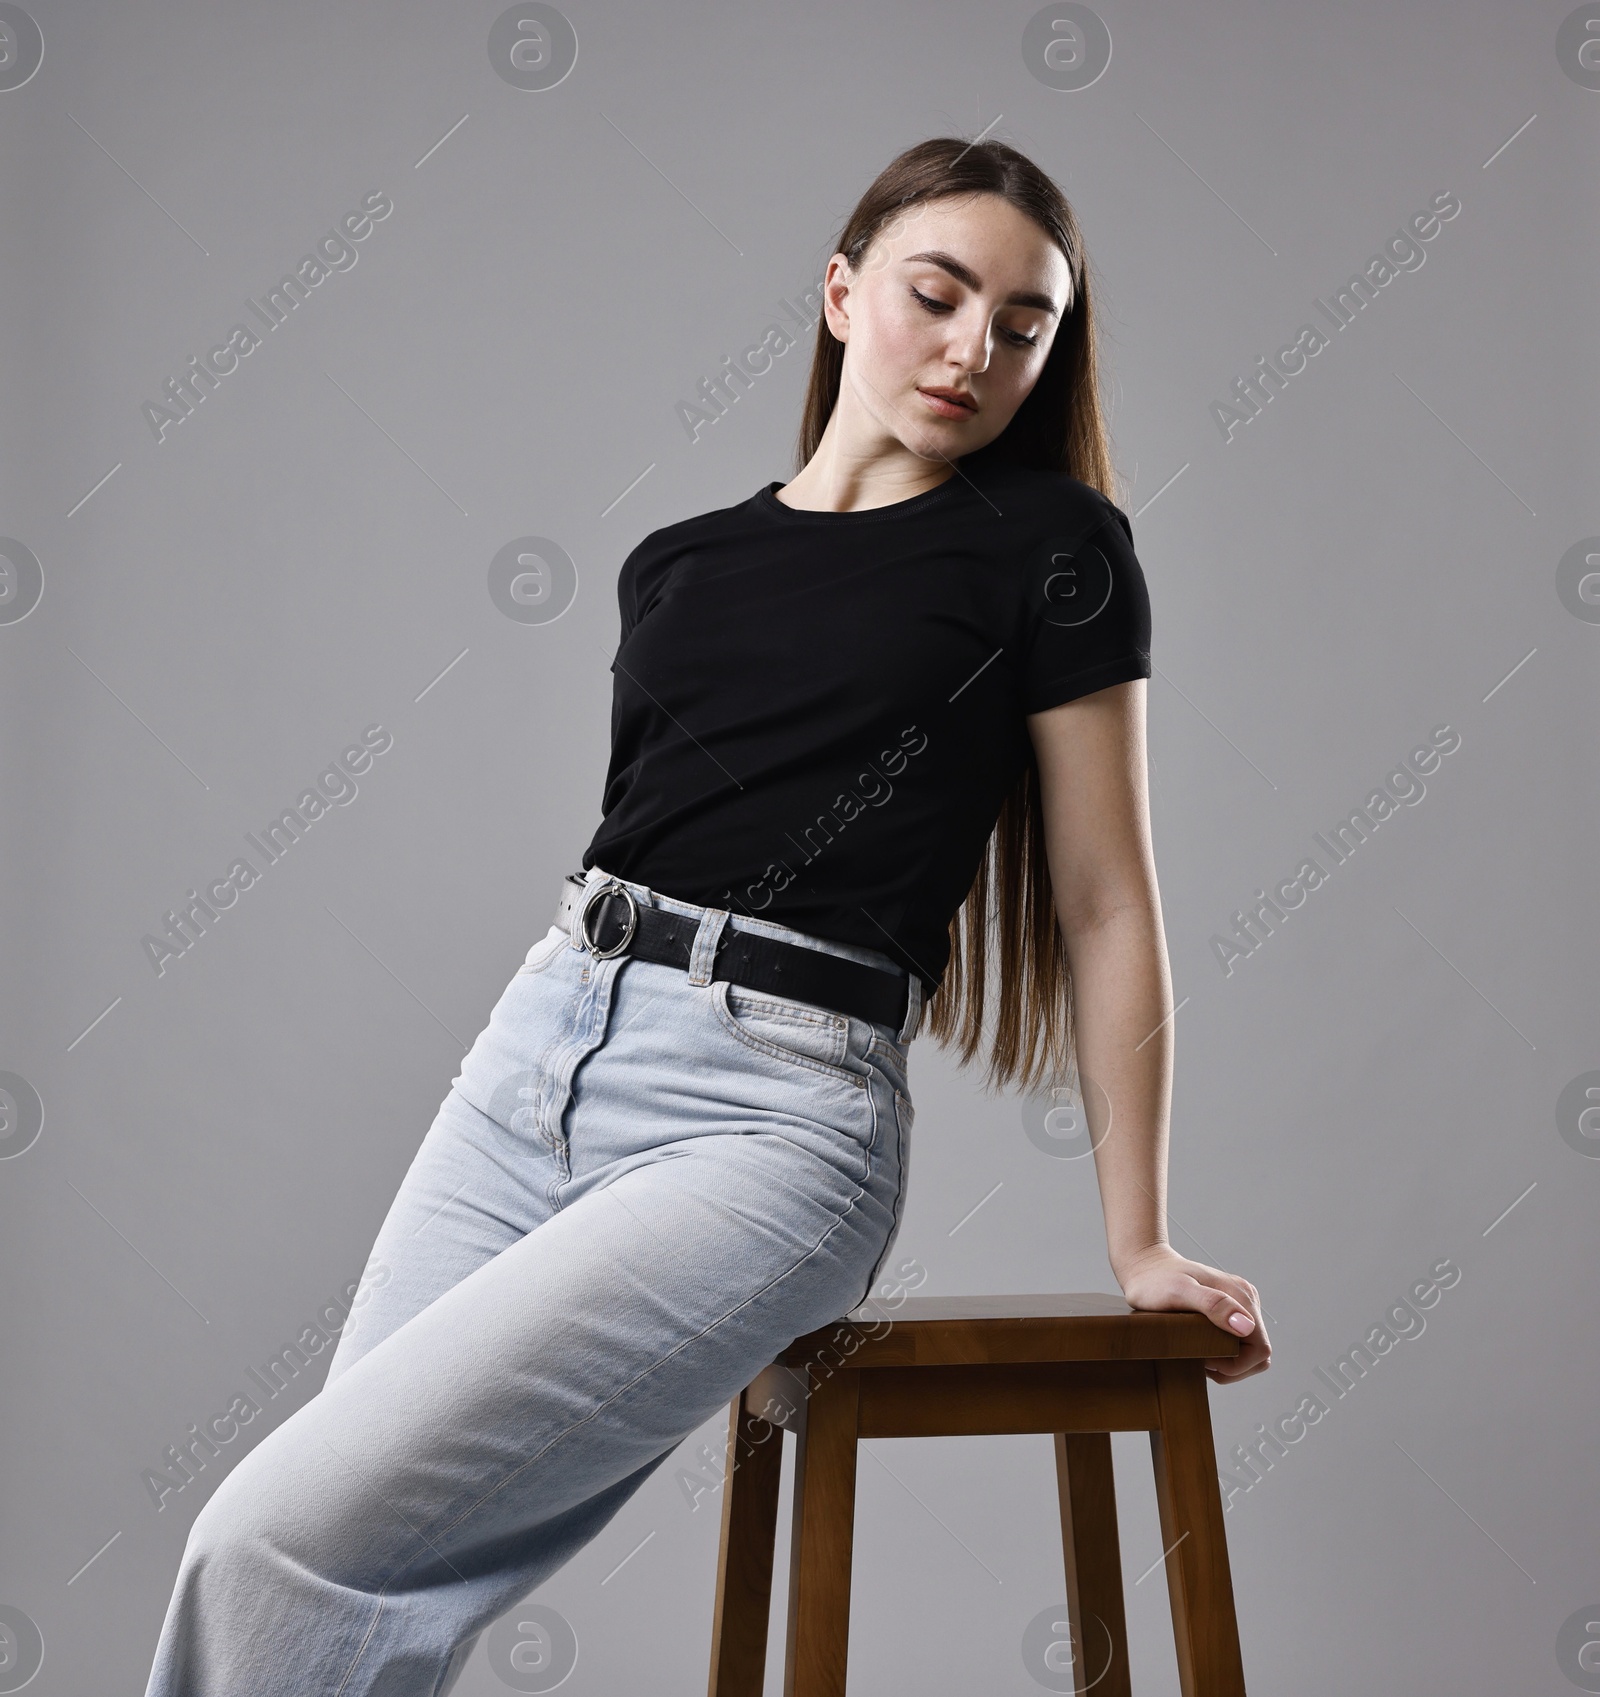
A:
[610,922]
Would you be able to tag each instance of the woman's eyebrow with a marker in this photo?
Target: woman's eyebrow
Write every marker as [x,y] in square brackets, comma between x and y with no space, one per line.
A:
[964,274]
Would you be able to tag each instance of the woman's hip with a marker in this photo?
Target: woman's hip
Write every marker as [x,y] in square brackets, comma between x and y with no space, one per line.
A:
[607,1060]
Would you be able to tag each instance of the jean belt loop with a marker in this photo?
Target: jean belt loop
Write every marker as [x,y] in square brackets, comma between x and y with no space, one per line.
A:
[913,1008]
[706,938]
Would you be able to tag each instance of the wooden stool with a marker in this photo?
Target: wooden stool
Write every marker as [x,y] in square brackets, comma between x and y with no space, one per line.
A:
[1080,1366]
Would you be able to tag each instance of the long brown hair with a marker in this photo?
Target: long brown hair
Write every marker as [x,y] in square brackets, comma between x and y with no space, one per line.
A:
[1009,912]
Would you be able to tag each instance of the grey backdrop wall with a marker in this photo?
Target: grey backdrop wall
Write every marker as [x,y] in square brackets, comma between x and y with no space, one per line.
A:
[405,508]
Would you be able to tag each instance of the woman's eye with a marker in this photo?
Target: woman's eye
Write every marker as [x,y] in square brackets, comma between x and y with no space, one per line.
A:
[1016,338]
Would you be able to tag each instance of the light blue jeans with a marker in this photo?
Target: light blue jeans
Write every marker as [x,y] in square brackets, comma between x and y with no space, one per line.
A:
[640,1188]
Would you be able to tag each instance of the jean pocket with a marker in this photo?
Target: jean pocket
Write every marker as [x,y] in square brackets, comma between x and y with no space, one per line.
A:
[546,949]
[889,1057]
[810,1038]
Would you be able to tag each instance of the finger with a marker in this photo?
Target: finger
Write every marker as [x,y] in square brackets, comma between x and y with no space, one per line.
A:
[1249,1302]
[1254,1357]
[1229,1369]
[1227,1311]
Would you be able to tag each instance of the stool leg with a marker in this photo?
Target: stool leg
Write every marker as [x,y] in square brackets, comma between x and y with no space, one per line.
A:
[1094,1562]
[824,1529]
[1199,1582]
[744,1564]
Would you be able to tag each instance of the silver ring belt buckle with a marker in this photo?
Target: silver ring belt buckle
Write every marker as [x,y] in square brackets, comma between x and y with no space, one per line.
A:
[611,887]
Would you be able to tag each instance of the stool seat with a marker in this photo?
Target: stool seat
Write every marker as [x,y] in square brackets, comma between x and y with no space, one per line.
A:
[1079,1365]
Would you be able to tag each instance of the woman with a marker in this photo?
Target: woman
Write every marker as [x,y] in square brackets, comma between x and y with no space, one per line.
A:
[866,726]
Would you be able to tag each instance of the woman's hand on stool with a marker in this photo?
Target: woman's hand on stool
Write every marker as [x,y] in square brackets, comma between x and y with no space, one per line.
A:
[1159,1278]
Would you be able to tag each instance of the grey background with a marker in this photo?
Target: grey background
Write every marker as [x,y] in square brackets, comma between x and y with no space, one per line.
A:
[1370,558]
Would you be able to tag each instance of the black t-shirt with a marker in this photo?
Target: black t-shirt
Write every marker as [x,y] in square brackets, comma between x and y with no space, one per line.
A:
[817,715]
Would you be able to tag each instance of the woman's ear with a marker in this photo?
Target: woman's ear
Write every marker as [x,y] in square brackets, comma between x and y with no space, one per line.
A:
[836,286]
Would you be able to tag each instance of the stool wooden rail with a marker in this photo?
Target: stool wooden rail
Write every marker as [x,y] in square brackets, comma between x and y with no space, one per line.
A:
[1080,1366]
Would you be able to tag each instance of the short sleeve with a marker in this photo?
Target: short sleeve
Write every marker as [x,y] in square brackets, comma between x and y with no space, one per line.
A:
[1086,618]
[640,582]
[628,597]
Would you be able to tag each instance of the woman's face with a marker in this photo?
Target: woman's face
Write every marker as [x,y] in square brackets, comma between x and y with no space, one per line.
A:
[962,294]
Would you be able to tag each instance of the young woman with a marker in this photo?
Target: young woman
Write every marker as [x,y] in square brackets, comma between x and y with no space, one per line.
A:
[874,731]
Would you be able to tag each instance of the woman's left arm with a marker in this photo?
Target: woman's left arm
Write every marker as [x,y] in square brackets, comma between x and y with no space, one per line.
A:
[1094,789]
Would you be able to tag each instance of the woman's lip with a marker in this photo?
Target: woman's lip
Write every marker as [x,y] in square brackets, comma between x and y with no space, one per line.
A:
[946,408]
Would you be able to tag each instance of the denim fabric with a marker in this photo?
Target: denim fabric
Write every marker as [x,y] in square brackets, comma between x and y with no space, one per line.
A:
[641,1186]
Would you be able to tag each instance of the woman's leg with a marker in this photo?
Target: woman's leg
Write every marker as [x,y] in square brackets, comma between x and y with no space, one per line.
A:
[481,1179]
[719,1182]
